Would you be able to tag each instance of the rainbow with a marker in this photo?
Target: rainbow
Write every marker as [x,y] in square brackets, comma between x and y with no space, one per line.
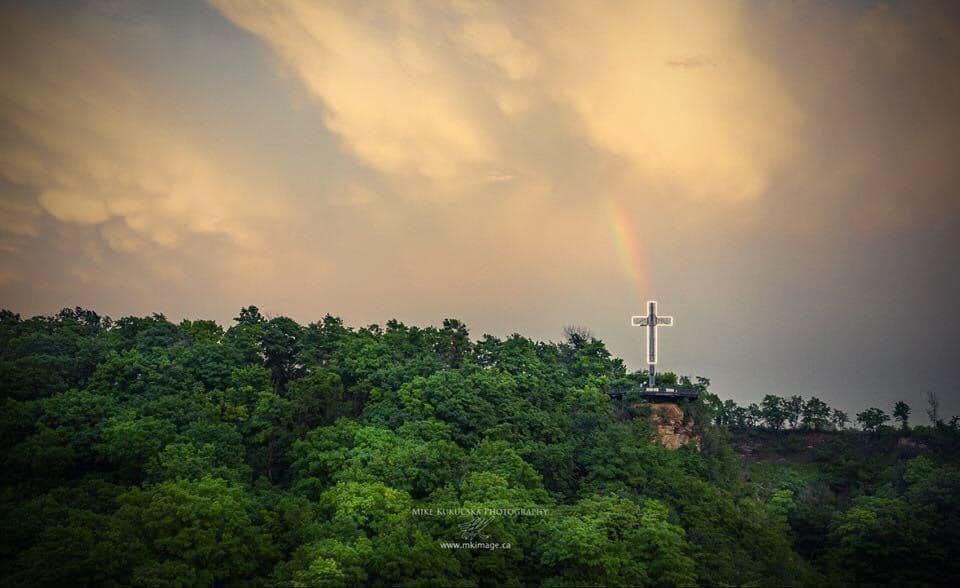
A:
[631,254]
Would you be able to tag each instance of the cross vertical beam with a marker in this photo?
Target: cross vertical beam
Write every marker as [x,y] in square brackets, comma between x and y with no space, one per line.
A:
[651,321]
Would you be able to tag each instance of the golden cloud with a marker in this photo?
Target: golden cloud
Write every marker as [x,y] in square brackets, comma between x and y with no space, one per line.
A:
[95,144]
[406,102]
[386,87]
[675,89]
[495,42]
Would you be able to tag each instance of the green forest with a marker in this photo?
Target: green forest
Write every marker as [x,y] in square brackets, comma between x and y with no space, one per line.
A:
[141,452]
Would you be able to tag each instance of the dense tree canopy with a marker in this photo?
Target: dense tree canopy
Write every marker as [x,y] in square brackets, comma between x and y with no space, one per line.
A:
[147,453]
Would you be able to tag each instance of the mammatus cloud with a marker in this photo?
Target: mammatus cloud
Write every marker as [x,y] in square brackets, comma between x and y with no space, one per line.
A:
[405,92]
[496,42]
[476,159]
[714,133]
[386,85]
[91,144]
[18,215]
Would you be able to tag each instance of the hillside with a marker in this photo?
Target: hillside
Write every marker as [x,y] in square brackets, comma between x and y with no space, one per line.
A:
[142,452]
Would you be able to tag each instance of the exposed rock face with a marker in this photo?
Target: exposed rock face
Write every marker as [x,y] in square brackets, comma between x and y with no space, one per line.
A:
[671,430]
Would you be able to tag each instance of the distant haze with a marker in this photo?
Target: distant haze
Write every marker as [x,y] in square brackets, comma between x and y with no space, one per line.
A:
[782,177]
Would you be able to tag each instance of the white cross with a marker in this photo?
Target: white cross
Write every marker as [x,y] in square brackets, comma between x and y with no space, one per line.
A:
[651,322]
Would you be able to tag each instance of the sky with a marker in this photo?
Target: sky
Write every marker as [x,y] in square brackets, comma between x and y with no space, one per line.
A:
[783,177]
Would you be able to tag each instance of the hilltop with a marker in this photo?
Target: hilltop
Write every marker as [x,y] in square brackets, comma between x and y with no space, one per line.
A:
[142,452]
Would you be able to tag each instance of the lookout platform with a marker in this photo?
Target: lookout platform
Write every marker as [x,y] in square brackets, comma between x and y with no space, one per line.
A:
[661,394]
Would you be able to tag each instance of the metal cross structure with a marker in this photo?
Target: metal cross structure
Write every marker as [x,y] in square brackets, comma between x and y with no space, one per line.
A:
[651,322]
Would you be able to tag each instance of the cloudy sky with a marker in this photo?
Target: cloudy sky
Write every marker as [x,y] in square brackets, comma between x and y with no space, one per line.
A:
[782,176]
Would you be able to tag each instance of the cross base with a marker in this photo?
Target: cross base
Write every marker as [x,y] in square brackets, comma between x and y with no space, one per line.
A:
[660,394]
[669,394]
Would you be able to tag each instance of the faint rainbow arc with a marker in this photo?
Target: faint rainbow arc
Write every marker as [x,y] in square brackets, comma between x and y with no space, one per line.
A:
[632,256]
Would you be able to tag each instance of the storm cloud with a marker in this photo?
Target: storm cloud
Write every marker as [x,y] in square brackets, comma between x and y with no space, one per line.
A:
[781,176]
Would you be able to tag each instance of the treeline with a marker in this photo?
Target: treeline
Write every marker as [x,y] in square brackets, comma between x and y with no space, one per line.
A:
[777,413]
[147,453]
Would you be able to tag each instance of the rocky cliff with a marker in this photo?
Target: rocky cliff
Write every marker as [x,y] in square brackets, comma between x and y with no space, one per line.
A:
[670,426]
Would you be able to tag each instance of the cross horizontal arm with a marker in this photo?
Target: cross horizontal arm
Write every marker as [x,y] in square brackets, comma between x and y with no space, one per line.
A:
[666,321]
[639,321]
